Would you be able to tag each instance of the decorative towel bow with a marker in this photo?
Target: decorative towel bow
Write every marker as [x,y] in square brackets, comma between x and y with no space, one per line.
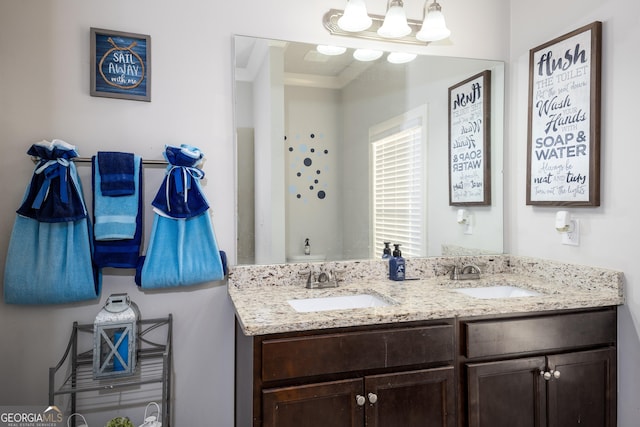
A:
[180,195]
[52,169]
[182,177]
[55,192]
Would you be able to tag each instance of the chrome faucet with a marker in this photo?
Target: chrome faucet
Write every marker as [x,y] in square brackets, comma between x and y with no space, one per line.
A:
[321,280]
[467,272]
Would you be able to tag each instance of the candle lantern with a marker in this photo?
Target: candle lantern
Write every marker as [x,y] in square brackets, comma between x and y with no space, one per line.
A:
[115,336]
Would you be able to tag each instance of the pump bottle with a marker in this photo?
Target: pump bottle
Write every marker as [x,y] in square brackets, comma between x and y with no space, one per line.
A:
[396,264]
[386,252]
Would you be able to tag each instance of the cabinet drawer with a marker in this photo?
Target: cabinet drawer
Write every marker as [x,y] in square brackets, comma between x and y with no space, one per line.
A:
[355,351]
[543,333]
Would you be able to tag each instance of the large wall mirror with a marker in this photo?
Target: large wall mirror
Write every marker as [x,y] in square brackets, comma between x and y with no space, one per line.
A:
[337,155]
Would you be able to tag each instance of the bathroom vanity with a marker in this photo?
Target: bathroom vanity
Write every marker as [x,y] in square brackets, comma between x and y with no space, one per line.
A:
[380,376]
[538,369]
[432,356]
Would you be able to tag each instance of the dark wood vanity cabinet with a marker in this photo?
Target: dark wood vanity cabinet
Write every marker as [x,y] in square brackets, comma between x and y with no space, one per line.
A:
[415,398]
[551,369]
[383,376]
[539,371]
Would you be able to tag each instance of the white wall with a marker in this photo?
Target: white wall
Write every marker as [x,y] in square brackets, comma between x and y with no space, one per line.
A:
[268,104]
[44,82]
[313,111]
[608,237]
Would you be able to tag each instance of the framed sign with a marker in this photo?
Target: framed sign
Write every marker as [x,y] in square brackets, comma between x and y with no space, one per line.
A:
[120,65]
[563,145]
[469,141]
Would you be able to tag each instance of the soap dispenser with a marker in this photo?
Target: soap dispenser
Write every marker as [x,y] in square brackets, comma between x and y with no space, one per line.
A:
[307,247]
[396,264]
[386,252]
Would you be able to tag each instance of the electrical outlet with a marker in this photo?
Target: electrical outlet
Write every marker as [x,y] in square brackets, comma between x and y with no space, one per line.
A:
[468,228]
[572,237]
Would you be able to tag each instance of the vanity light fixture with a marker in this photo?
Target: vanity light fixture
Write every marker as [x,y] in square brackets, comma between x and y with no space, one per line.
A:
[394,26]
[355,17]
[367,54]
[395,21]
[330,50]
[401,57]
[434,26]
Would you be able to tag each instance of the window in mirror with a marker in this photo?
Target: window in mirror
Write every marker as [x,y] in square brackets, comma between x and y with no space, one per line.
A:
[398,152]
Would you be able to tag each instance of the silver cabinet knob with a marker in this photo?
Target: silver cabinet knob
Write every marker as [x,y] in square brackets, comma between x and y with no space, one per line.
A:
[373,398]
[360,400]
[550,374]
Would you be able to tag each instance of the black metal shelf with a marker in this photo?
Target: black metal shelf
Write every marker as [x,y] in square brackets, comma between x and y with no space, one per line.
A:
[154,366]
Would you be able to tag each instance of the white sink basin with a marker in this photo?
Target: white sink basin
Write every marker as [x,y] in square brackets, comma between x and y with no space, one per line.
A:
[492,292]
[343,302]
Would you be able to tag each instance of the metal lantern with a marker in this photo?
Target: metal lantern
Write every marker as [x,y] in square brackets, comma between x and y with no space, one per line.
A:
[115,336]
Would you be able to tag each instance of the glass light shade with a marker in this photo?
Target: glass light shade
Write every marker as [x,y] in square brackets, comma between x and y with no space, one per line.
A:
[330,50]
[367,54]
[434,27]
[355,17]
[401,57]
[395,22]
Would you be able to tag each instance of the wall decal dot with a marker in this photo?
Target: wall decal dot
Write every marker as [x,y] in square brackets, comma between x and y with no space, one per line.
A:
[307,150]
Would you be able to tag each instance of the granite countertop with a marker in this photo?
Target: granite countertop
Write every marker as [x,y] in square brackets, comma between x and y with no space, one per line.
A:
[260,293]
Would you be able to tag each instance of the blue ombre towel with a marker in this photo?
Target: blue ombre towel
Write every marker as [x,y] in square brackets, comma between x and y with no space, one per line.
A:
[182,249]
[49,259]
[50,263]
[115,216]
[181,252]
[117,173]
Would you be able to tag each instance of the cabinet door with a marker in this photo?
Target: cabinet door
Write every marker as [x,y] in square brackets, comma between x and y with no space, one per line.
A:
[330,404]
[584,393]
[423,398]
[508,393]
